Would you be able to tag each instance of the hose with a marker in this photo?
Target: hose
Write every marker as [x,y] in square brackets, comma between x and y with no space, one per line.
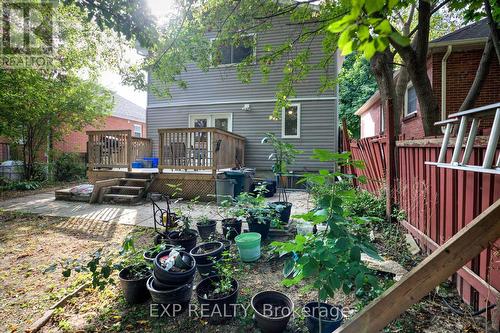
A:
[461,313]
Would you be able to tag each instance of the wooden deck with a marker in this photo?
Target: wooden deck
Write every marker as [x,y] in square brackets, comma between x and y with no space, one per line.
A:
[188,157]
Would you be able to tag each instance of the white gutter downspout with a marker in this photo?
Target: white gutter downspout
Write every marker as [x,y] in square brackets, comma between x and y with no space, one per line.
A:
[443,82]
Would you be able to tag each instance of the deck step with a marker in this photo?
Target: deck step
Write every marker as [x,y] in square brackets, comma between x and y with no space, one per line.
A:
[129,188]
[122,198]
[139,175]
[136,180]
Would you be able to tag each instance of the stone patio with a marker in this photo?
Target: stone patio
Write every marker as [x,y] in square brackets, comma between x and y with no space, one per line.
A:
[140,215]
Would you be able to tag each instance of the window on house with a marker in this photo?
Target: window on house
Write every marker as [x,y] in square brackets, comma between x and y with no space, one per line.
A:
[290,121]
[137,131]
[410,100]
[234,54]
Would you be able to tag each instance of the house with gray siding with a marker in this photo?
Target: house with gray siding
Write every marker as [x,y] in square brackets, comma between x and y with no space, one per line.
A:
[217,98]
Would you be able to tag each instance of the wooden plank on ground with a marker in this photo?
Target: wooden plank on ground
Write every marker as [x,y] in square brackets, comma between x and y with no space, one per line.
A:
[436,268]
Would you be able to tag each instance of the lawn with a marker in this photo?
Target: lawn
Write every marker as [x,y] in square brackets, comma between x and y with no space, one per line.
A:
[30,244]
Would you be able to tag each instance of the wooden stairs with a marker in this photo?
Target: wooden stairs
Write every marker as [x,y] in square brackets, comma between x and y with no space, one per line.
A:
[129,190]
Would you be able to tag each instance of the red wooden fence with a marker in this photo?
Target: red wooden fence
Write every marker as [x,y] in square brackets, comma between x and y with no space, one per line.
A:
[438,203]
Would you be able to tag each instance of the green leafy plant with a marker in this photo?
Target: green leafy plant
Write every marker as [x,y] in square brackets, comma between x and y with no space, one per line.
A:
[68,167]
[101,264]
[255,208]
[225,270]
[331,259]
[204,220]
[22,186]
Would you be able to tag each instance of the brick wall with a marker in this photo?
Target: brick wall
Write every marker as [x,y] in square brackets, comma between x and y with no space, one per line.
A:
[461,71]
[77,141]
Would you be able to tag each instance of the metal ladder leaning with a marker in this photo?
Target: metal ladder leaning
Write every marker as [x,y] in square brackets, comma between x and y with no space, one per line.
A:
[463,118]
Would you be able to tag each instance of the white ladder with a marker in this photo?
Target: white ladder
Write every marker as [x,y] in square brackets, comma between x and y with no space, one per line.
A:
[463,118]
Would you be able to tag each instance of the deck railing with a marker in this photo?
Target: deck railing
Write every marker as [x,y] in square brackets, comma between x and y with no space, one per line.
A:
[116,149]
[200,149]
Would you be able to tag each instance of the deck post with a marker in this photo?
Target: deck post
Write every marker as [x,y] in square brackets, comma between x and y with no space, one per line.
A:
[390,153]
[129,149]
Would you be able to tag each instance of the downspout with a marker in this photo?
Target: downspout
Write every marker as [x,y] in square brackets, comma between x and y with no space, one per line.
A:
[443,82]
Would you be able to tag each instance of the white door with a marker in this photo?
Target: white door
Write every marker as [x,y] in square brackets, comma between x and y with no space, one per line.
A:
[223,121]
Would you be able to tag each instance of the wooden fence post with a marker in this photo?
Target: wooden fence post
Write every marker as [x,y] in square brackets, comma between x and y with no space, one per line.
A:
[390,157]
[347,147]
[129,150]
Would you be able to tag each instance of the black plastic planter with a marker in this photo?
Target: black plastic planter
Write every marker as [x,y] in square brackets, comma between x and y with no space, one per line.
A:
[331,317]
[158,285]
[261,228]
[216,310]
[272,310]
[185,239]
[135,291]
[173,278]
[205,253]
[231,228]
[206,229]
[227,244]
[206,270]
[178,297]
[284,212]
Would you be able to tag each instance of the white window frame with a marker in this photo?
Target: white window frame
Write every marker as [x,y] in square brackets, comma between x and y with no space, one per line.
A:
[211,117]
[254,35]
[410,85]
[138,126]
[283,112]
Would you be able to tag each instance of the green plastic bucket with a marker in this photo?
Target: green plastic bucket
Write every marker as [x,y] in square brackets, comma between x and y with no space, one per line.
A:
[248,246]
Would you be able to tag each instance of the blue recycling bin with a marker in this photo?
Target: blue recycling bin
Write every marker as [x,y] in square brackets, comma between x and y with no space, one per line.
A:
[239,177]
[154,161]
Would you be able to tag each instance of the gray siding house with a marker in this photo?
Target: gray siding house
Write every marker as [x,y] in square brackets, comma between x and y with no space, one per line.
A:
[217,98]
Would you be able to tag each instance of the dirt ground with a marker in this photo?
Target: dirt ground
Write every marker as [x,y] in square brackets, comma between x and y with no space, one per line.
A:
[11,194]
[29,244]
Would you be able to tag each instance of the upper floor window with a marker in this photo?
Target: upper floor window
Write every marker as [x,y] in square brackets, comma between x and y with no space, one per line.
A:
[137,130]
[410,100]
[235,54]
[290,121]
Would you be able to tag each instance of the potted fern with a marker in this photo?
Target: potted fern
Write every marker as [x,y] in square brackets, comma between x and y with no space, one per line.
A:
[283,155]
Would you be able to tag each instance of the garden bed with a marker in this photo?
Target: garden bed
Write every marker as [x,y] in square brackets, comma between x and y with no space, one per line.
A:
[30,244]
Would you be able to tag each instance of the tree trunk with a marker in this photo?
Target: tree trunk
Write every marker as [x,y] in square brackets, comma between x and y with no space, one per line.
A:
[481,74]
[494,33]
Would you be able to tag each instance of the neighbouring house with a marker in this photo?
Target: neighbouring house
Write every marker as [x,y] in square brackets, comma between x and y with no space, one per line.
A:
[219,99]
[126,115]
[452,64]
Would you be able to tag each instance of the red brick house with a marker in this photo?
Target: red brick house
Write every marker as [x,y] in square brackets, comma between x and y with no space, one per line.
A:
[452,64]
[125,116]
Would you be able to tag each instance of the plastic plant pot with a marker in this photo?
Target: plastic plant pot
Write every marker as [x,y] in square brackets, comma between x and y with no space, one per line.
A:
[179,296]
[217,310]
[205,253]
[134,291]
[231,228]
[261,227]
[272,310]
[284,212]
[331,317]
[249,246]
[170,277]
[206,229]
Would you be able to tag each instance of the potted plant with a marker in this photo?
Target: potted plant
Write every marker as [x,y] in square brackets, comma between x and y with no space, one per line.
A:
[182,272]
[133,280]
[185,238]
[272,310]
[218,294]
[206,256]
[206,227]
[151,253]
[283,155]
[259,215]
[330,259]
[231,223]
[331,317]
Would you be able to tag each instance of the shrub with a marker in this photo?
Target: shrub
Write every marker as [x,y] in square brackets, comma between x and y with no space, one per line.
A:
[365,203]
[68,167]
[22,186]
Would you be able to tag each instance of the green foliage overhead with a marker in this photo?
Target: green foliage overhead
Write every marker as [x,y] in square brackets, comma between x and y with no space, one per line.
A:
[356,85]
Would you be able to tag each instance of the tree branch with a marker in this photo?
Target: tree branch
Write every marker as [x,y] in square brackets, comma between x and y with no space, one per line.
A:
[435,9]
[494,34]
